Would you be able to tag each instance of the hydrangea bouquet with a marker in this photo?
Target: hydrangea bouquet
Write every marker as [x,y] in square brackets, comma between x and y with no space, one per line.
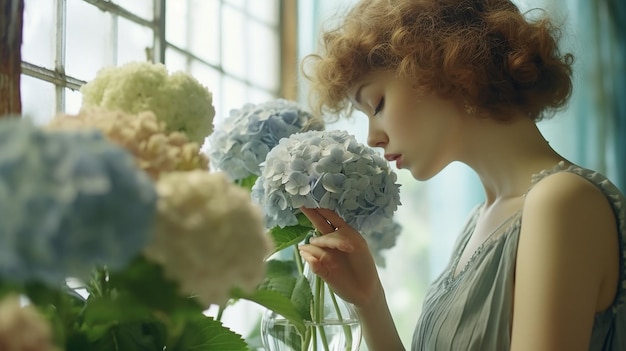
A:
[281,153]
[323,169]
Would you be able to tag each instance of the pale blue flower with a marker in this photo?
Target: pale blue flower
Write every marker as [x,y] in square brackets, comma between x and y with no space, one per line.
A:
[382,237]
[68,201]
[327,169]
[239,144]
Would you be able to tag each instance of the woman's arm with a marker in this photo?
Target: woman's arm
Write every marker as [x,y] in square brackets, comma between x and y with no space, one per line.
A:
[567,264]
[341,257]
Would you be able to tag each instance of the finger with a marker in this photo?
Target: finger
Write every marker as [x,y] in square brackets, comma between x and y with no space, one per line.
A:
[313,250]
[332,217]
[315,264]
[318,220]
[333,241]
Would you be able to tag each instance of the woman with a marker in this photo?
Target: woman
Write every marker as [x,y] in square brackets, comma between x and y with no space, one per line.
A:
[541,263]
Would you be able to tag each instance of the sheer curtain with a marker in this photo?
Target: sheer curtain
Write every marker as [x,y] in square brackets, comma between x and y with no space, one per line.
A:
[589,132]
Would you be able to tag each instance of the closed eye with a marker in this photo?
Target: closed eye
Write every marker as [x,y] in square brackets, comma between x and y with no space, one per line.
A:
[380,106]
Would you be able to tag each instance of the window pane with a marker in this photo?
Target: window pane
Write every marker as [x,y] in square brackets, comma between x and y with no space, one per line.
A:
[204,38]
[88,39]
[264,10]
[38,32]
[263,63]
[238,3]
[175,22]
[73,100]
[236,97]
[234,39]
[133,40]
[175,61]
[257,96]
[211,79]
[141,8]
[37,99]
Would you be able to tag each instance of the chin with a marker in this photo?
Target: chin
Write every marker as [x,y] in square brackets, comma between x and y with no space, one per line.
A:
[422,174]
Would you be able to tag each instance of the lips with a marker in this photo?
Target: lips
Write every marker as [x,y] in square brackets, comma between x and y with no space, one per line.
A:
[394,157]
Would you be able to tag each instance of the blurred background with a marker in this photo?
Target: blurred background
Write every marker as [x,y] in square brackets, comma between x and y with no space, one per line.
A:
[249,51]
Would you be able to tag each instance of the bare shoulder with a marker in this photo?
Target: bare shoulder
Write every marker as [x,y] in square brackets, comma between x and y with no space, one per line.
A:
[566,206]
[567,263]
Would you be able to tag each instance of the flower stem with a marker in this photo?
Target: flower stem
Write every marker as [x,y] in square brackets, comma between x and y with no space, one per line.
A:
[319,310]
[220,313]
[346,328]
[298,259]
[306,340]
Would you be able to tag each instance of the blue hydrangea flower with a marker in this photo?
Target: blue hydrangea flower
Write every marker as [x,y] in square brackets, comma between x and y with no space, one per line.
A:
[68,201]
[327,169]
[382,238]
[239,145]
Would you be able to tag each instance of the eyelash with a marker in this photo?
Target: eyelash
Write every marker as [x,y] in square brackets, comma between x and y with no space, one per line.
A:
[380,106]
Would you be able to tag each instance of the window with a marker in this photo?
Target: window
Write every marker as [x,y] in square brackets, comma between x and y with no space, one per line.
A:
[230,46]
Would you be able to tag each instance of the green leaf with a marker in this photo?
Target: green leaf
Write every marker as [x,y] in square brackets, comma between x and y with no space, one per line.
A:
[129,337]
[247,183]
[203,333]
[143,278]
[104,312]
[280,268]
[276,302]
[302,296]
[304,221]
[288,236]
[283,277]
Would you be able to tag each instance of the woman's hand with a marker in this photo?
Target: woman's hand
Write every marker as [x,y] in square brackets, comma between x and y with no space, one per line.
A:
[342,258]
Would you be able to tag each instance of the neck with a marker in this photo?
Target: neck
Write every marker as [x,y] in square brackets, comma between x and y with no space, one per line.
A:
[506,155]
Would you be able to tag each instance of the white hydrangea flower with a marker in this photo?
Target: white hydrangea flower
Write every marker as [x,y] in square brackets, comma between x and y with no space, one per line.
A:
[209,236]
[177,99]
[327,169]
[239,145]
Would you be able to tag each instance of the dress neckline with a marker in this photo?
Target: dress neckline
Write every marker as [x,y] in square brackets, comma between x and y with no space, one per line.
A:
[504,229]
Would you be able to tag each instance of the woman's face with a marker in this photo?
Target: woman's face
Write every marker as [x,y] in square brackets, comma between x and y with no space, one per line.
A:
[422,133]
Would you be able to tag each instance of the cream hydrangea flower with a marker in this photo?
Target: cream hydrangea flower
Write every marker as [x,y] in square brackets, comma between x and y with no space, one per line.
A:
[23,328]
[155,149]
[177,99]
[209,236]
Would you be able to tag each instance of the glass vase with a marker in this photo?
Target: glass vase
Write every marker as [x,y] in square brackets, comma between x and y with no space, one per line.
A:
[334,324]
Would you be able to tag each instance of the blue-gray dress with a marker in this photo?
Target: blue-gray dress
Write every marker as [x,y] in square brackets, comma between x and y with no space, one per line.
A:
[472,310]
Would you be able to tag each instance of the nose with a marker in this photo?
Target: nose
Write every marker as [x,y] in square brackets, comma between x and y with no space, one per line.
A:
[376,137]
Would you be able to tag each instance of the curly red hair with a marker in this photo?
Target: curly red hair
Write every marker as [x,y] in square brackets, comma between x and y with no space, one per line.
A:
[484,51]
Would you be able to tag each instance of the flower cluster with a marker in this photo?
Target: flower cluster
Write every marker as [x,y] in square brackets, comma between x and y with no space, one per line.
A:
[22,328]
[240,144]
[381,238]
[155,149]
[86,195]
[177,99]
[209,235]
[328,169]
